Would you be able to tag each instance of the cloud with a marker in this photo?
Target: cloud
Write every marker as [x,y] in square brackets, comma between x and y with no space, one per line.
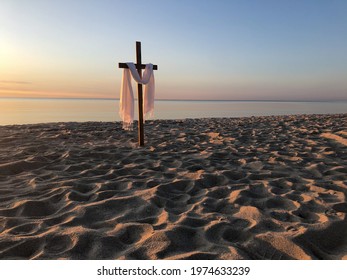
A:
[15,82]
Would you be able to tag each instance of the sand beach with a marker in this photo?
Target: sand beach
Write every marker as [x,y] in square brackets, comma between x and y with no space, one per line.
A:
[229,188]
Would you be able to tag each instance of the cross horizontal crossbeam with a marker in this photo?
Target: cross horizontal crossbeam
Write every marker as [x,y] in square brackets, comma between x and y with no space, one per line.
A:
[143,66]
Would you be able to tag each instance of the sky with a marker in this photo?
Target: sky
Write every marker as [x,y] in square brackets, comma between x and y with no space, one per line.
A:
[216,49]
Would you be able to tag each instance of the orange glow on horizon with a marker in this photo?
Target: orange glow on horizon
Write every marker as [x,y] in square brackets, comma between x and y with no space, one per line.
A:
[48,94]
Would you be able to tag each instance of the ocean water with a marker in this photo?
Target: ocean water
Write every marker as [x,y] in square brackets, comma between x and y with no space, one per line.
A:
[30,111]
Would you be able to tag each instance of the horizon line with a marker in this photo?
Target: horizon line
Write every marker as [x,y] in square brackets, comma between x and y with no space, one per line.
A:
[188,100]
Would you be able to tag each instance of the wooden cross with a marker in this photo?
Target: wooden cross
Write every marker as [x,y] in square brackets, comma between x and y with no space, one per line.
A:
[139,66]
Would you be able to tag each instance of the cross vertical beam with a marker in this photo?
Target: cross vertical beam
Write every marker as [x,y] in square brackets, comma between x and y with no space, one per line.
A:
[140,96]
[139,66]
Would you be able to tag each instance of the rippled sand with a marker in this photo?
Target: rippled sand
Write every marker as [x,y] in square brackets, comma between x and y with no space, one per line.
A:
[243,188]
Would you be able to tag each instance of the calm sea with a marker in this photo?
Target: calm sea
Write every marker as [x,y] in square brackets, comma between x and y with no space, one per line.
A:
[27,111]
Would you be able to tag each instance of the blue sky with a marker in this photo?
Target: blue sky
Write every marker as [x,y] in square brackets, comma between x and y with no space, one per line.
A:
[237,50]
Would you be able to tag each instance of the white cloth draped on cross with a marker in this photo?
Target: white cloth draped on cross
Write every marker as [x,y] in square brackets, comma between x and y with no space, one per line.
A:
[126,104]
